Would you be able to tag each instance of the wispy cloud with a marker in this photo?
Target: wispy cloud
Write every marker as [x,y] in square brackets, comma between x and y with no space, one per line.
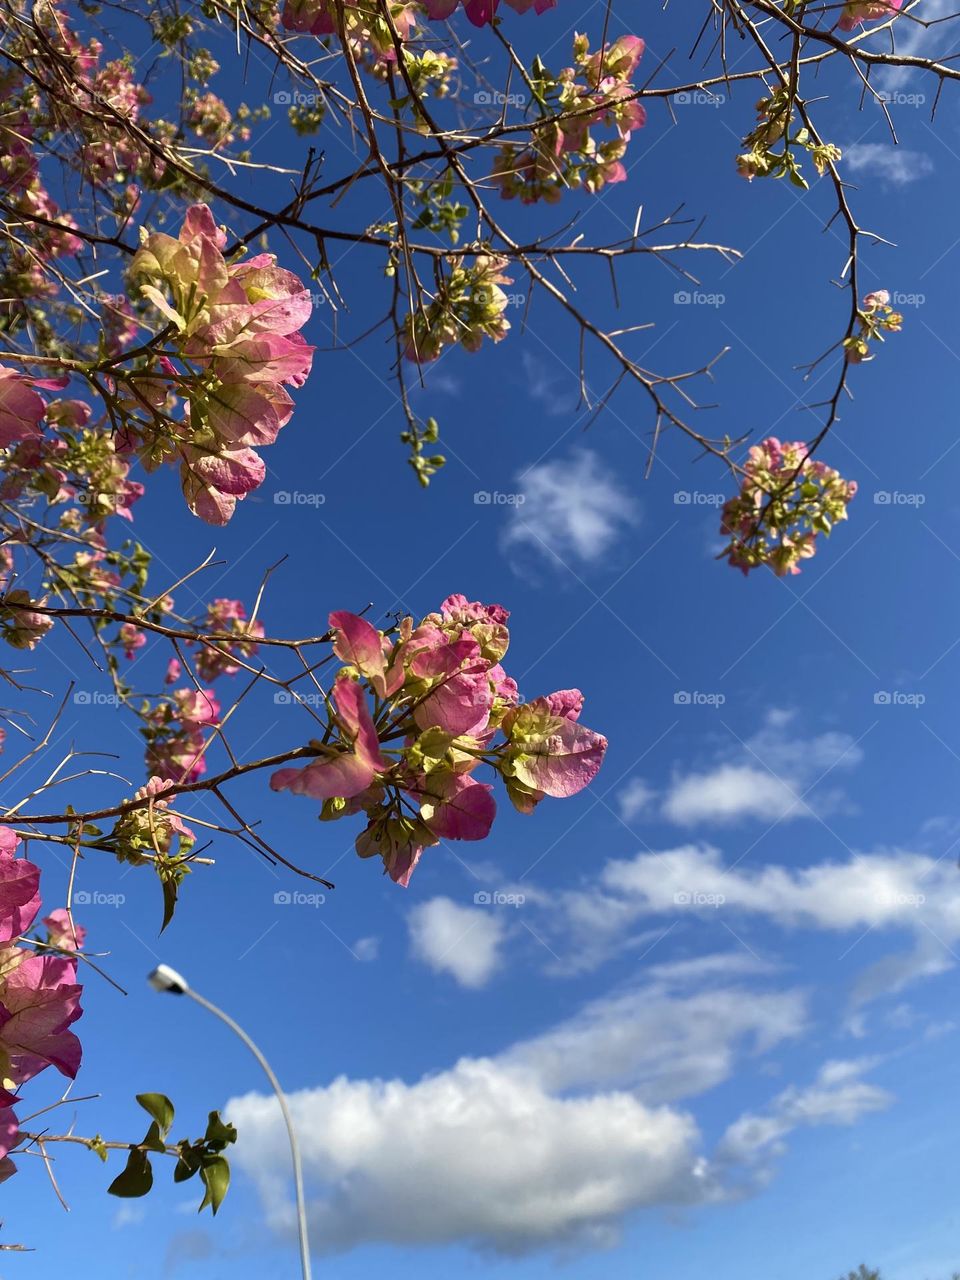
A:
[573,508]
[893,164]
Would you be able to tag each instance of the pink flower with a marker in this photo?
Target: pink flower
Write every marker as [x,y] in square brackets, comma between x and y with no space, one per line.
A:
[39,999]
[351,772]
[19,889]
[196,707]
[856,12]
[64,932]
[362,646]
[9,1134]
[132,639]
[455,807]
[21,409]
[550,753]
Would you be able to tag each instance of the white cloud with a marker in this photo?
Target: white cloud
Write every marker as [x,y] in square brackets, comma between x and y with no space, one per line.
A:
[661,1043]
[462,941]
[893,164]
[731,792]
[838,1096]
[869,891]
[767,777]
[366,949]
[922,38]
[574,509]
[477,1154]
[634,798]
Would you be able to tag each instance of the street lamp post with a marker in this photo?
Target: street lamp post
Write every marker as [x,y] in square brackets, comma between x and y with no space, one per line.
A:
[163,978]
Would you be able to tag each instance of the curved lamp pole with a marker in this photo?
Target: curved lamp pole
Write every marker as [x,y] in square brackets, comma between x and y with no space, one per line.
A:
[163,978]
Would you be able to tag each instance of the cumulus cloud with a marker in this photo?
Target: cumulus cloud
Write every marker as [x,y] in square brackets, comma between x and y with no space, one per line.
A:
[767,777]
[477,1154]
[553,1142]
[893,164]
[464,942]
[574,508]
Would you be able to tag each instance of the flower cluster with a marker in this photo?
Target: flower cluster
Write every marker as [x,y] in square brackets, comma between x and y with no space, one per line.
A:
[176,725]
[786,499]
[442,705]
[39,993]
[595,92]
[875,317]
[856,12]
[366,29]
[480,12]
[467,307]
[774,118]
[235,328]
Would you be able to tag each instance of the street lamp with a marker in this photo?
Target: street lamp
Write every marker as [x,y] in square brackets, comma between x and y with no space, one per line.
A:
[163,978]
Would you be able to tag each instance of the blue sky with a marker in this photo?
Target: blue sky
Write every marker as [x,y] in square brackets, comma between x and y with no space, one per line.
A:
[718,1029]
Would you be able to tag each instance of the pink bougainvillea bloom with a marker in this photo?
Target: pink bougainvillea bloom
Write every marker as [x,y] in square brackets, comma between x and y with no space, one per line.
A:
[174,671]
[21,409]
[19,889]
[39,1001]
[455,807]
[566,703]
[64,932]
[132,639]
[551,754]
[856,12]
[351,772]
[9,1134]
[196,707]
[362,646]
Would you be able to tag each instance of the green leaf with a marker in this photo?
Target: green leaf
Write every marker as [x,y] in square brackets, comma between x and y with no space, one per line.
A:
[218,1132]
[98,1146]
[160,1108]
[216,1177]
[188,1163]
[136,1179]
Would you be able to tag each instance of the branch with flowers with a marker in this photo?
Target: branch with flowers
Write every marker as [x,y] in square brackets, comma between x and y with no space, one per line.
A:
[147,321]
